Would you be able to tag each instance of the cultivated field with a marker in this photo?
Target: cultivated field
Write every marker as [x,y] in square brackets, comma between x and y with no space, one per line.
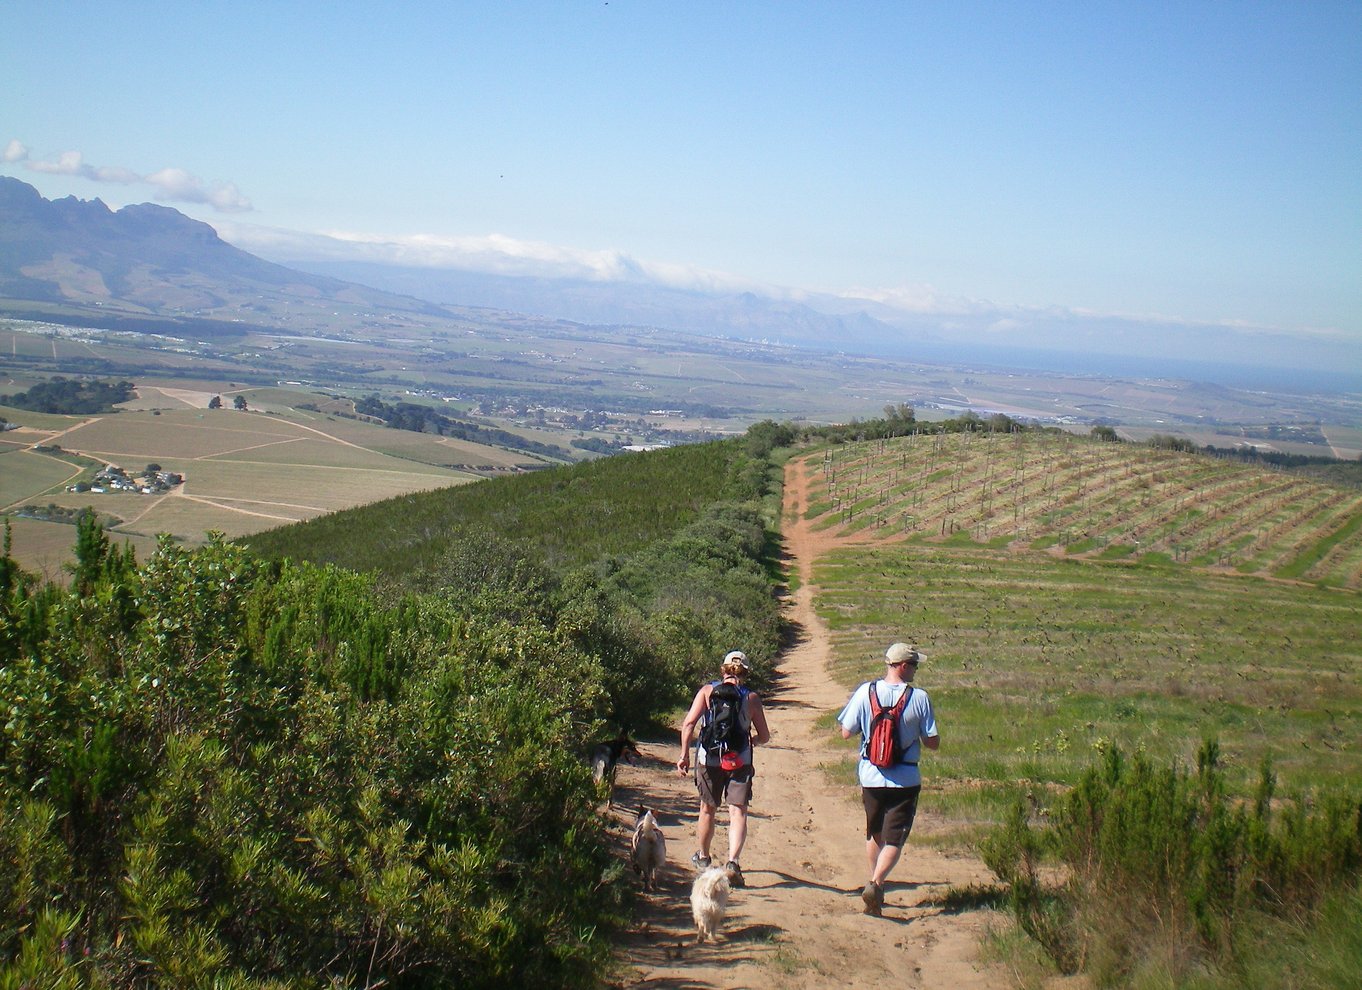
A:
[44,548]
[244,471]
[1073,595]
[1083,498]
[25,474]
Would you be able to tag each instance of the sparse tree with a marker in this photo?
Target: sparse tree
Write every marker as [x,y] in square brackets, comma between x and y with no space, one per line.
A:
[239,402]
[92,546]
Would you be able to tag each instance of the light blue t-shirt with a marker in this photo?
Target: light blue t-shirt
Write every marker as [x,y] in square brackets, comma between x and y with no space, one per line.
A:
[916,723]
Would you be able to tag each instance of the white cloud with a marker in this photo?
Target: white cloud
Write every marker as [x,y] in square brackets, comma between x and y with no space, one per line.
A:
[495,254]
[179,185]
[919,299]
[172,184]
[67,163]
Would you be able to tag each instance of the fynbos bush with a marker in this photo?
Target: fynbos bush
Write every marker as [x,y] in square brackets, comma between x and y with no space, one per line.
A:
[1162,862]
[273,780]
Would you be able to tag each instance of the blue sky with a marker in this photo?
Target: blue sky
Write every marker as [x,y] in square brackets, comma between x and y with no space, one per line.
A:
[1198,161]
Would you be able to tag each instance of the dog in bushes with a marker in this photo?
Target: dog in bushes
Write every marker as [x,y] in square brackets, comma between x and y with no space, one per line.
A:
[605,759]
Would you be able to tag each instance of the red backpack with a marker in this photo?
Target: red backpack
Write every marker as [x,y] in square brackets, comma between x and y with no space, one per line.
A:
[882,740]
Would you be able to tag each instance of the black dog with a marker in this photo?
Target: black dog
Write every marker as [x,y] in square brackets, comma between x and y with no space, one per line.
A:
[604,759]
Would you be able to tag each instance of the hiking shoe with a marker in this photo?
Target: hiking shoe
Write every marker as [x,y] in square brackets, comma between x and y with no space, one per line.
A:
[700,862]
[735,877]
[872,895]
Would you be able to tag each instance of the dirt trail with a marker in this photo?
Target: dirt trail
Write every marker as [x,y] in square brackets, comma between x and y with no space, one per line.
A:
[798,922]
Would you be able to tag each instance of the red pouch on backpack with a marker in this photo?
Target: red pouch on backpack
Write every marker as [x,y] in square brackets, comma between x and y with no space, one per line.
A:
[730,761]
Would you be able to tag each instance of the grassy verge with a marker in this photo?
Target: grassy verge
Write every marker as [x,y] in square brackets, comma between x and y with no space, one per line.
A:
[1035,664]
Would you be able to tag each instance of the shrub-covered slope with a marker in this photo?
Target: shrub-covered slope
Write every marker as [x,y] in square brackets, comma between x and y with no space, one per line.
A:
[221,769]
[563,516]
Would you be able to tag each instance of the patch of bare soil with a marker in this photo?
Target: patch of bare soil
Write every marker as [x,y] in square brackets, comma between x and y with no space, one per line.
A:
[799,923]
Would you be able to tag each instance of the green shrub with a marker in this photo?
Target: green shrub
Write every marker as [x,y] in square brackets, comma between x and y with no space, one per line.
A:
[1187,867]
[284,782]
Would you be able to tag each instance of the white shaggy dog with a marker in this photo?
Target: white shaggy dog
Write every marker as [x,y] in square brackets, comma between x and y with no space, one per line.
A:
[648,848]
[709,901]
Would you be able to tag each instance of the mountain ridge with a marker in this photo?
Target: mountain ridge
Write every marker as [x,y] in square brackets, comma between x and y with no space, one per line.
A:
[151,259]
[146,259]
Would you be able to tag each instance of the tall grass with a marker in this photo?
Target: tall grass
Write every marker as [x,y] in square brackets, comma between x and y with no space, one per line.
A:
[1035,662]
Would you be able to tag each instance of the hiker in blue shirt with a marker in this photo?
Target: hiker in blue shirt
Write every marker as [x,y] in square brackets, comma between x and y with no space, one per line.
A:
[890,793]
[724,772]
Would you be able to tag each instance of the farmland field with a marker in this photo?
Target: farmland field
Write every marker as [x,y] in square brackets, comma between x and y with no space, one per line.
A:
[44,548]
[243,471]
[1160,623]
[1080,497]
[26,474]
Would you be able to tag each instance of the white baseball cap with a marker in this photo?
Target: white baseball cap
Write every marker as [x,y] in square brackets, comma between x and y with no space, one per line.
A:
[737,660]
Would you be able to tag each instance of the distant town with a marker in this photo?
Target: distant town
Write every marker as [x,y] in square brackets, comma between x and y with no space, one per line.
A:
[151,481]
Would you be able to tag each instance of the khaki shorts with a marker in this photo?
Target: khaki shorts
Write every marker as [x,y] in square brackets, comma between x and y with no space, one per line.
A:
[734,785]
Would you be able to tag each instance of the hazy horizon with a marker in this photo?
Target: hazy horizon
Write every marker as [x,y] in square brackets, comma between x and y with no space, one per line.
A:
[1167,168]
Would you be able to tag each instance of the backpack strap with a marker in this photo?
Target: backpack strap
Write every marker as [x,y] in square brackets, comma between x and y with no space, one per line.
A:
[902,703]
[899,709]
[872,693]
[899,706]
[875,706]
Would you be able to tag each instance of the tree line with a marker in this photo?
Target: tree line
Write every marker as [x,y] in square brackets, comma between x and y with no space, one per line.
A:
[422,419]
[72,396]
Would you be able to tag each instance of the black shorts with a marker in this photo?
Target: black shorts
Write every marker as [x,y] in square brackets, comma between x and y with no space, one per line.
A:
[889,813]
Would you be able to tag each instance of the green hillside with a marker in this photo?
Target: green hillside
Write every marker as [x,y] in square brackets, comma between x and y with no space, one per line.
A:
[356,746]
[562,517]
[1144,667]
[1095,594]
[221,769]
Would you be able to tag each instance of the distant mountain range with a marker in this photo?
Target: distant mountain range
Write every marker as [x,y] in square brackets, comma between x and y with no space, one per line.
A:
[107,267]
[743,315]
[153,260]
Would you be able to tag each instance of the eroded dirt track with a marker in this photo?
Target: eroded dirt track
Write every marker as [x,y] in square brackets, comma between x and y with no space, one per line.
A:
[798,923]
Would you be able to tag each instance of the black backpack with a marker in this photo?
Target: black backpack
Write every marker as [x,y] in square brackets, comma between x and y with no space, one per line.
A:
[882,746]
[722,730]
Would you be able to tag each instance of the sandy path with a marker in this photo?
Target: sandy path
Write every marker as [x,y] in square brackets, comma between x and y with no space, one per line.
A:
[799,923]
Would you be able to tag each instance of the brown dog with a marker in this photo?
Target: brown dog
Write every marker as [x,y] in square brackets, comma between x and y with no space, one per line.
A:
[605,758]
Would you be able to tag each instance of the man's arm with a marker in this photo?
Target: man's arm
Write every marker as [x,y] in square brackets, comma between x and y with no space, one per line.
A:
[843,717]
[931,742]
